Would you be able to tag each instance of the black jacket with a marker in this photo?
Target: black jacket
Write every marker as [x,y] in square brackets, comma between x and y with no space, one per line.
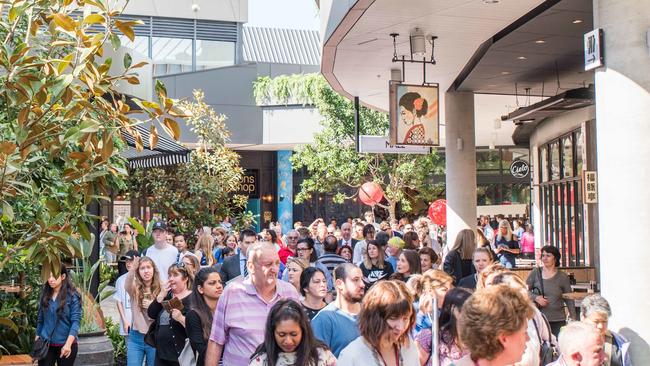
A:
[195,334]
[457,267]
[170,338]
[230,268]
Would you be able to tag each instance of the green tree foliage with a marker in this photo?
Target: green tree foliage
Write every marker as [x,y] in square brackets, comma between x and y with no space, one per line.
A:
[332,161]
[201,192]
[61,119]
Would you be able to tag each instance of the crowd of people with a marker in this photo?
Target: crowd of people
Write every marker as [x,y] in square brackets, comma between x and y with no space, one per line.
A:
[362,293]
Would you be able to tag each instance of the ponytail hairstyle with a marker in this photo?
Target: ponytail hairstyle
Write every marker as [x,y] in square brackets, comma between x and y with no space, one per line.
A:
[67,289]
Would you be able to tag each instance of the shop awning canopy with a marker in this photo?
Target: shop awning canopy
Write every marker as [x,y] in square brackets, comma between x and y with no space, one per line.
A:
[166,152]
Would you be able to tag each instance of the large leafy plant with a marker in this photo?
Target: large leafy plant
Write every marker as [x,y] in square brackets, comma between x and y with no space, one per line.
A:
[82,277]
[61,120]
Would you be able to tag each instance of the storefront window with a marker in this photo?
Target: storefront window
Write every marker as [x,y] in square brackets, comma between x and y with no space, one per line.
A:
[516,193]
[211,54]
[488,162]
[171,55]
[510,155]
[567,157]
[579,144]
[555,160]
[543,154]
[487,194]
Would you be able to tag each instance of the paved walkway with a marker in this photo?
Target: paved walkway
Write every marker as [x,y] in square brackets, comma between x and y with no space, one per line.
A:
[109,307]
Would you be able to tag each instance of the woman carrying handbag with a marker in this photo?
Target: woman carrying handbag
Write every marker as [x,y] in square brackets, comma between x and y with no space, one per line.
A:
[59,317]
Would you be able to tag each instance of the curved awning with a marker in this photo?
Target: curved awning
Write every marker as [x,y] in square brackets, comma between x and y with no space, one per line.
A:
[167,151]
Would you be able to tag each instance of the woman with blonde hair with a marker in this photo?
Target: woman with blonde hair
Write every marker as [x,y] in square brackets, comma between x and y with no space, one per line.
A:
[385,323]
[143,286]
[203,250]
[295,266]
[458,262]
[506,245]
[493,326]
[481,259]
[492,269]
[432,283]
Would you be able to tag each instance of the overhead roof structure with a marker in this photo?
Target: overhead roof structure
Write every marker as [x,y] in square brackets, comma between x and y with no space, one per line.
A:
[281,46]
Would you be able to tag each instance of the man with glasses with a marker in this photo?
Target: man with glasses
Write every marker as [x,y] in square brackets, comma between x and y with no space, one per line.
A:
[289,250]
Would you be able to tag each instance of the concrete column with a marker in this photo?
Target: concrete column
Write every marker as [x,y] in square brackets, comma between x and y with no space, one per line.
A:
[460,155]
[622,118]
[285,190]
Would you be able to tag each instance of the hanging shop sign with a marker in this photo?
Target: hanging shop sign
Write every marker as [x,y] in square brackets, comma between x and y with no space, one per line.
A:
[414,117]
[519,169]
[249,185]
[382,145]
[594,56]
[591,187]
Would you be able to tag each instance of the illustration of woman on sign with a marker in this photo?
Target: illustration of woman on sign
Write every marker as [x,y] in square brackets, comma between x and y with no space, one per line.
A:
[412,107]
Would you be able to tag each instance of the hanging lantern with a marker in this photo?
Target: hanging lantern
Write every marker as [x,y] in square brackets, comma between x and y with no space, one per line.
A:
[370,193]
[438,212]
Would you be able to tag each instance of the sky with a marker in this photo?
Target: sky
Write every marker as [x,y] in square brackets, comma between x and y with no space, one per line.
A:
[293,14]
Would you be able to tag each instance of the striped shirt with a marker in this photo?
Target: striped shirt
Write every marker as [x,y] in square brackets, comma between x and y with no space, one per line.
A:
[240,319]
[331,261]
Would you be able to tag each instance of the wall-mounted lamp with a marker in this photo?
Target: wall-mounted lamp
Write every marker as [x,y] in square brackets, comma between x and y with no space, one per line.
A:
[497,123]
[459,143]
[268,198]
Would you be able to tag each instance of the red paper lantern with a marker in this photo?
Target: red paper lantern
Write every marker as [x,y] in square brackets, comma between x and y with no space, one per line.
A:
[370,193]
[438,212]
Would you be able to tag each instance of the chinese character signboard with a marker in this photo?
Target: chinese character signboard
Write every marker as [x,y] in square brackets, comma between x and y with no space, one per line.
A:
[414,118]
[594,49]
[591,187]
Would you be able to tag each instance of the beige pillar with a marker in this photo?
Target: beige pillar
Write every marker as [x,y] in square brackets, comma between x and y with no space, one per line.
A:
[460,152]
[623,145]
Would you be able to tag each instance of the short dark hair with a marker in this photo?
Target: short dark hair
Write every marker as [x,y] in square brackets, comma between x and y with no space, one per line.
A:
[554,251]
[342,271]
[331,244]
[368,228]
[246,233]
[382,238]
[306,276]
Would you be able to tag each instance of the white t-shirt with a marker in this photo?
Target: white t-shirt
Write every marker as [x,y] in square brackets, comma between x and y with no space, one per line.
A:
[122,296]
[164,258]
[359,353]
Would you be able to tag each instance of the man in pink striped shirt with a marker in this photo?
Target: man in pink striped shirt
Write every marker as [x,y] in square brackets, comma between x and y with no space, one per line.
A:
[238,325]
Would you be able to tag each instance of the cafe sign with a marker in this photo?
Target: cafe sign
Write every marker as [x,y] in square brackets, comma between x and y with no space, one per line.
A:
[249,184]
[519,169]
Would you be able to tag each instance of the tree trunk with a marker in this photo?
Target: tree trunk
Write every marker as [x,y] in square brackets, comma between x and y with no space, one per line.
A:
[392,206]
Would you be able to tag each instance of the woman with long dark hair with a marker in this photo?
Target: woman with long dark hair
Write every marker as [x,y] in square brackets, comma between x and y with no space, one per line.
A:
[289,339]
[458,262]
[450,348]
[373,267]
[59,318]
[408,263]
[203,303]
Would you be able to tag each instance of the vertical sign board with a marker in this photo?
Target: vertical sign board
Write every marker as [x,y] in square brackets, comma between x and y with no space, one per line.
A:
[594,56]
[591,187]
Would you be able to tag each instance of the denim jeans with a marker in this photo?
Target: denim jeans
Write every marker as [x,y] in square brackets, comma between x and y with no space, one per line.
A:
[136,349]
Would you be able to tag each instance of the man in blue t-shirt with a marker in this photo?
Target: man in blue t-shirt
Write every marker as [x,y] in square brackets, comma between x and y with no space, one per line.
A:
[336,325]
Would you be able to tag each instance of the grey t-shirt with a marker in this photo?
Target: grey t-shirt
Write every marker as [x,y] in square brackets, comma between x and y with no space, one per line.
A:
[554,287]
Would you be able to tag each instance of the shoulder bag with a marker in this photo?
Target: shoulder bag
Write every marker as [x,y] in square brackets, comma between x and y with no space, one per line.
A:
[42,346]
[187,357]
[548,352]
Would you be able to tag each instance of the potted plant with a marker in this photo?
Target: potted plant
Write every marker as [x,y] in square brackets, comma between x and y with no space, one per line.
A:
[94,346]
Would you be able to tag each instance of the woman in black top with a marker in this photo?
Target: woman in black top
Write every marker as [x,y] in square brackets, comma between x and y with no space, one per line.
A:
[458,262]
[373,267]
[203,302]
[170,320]
[313,286]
